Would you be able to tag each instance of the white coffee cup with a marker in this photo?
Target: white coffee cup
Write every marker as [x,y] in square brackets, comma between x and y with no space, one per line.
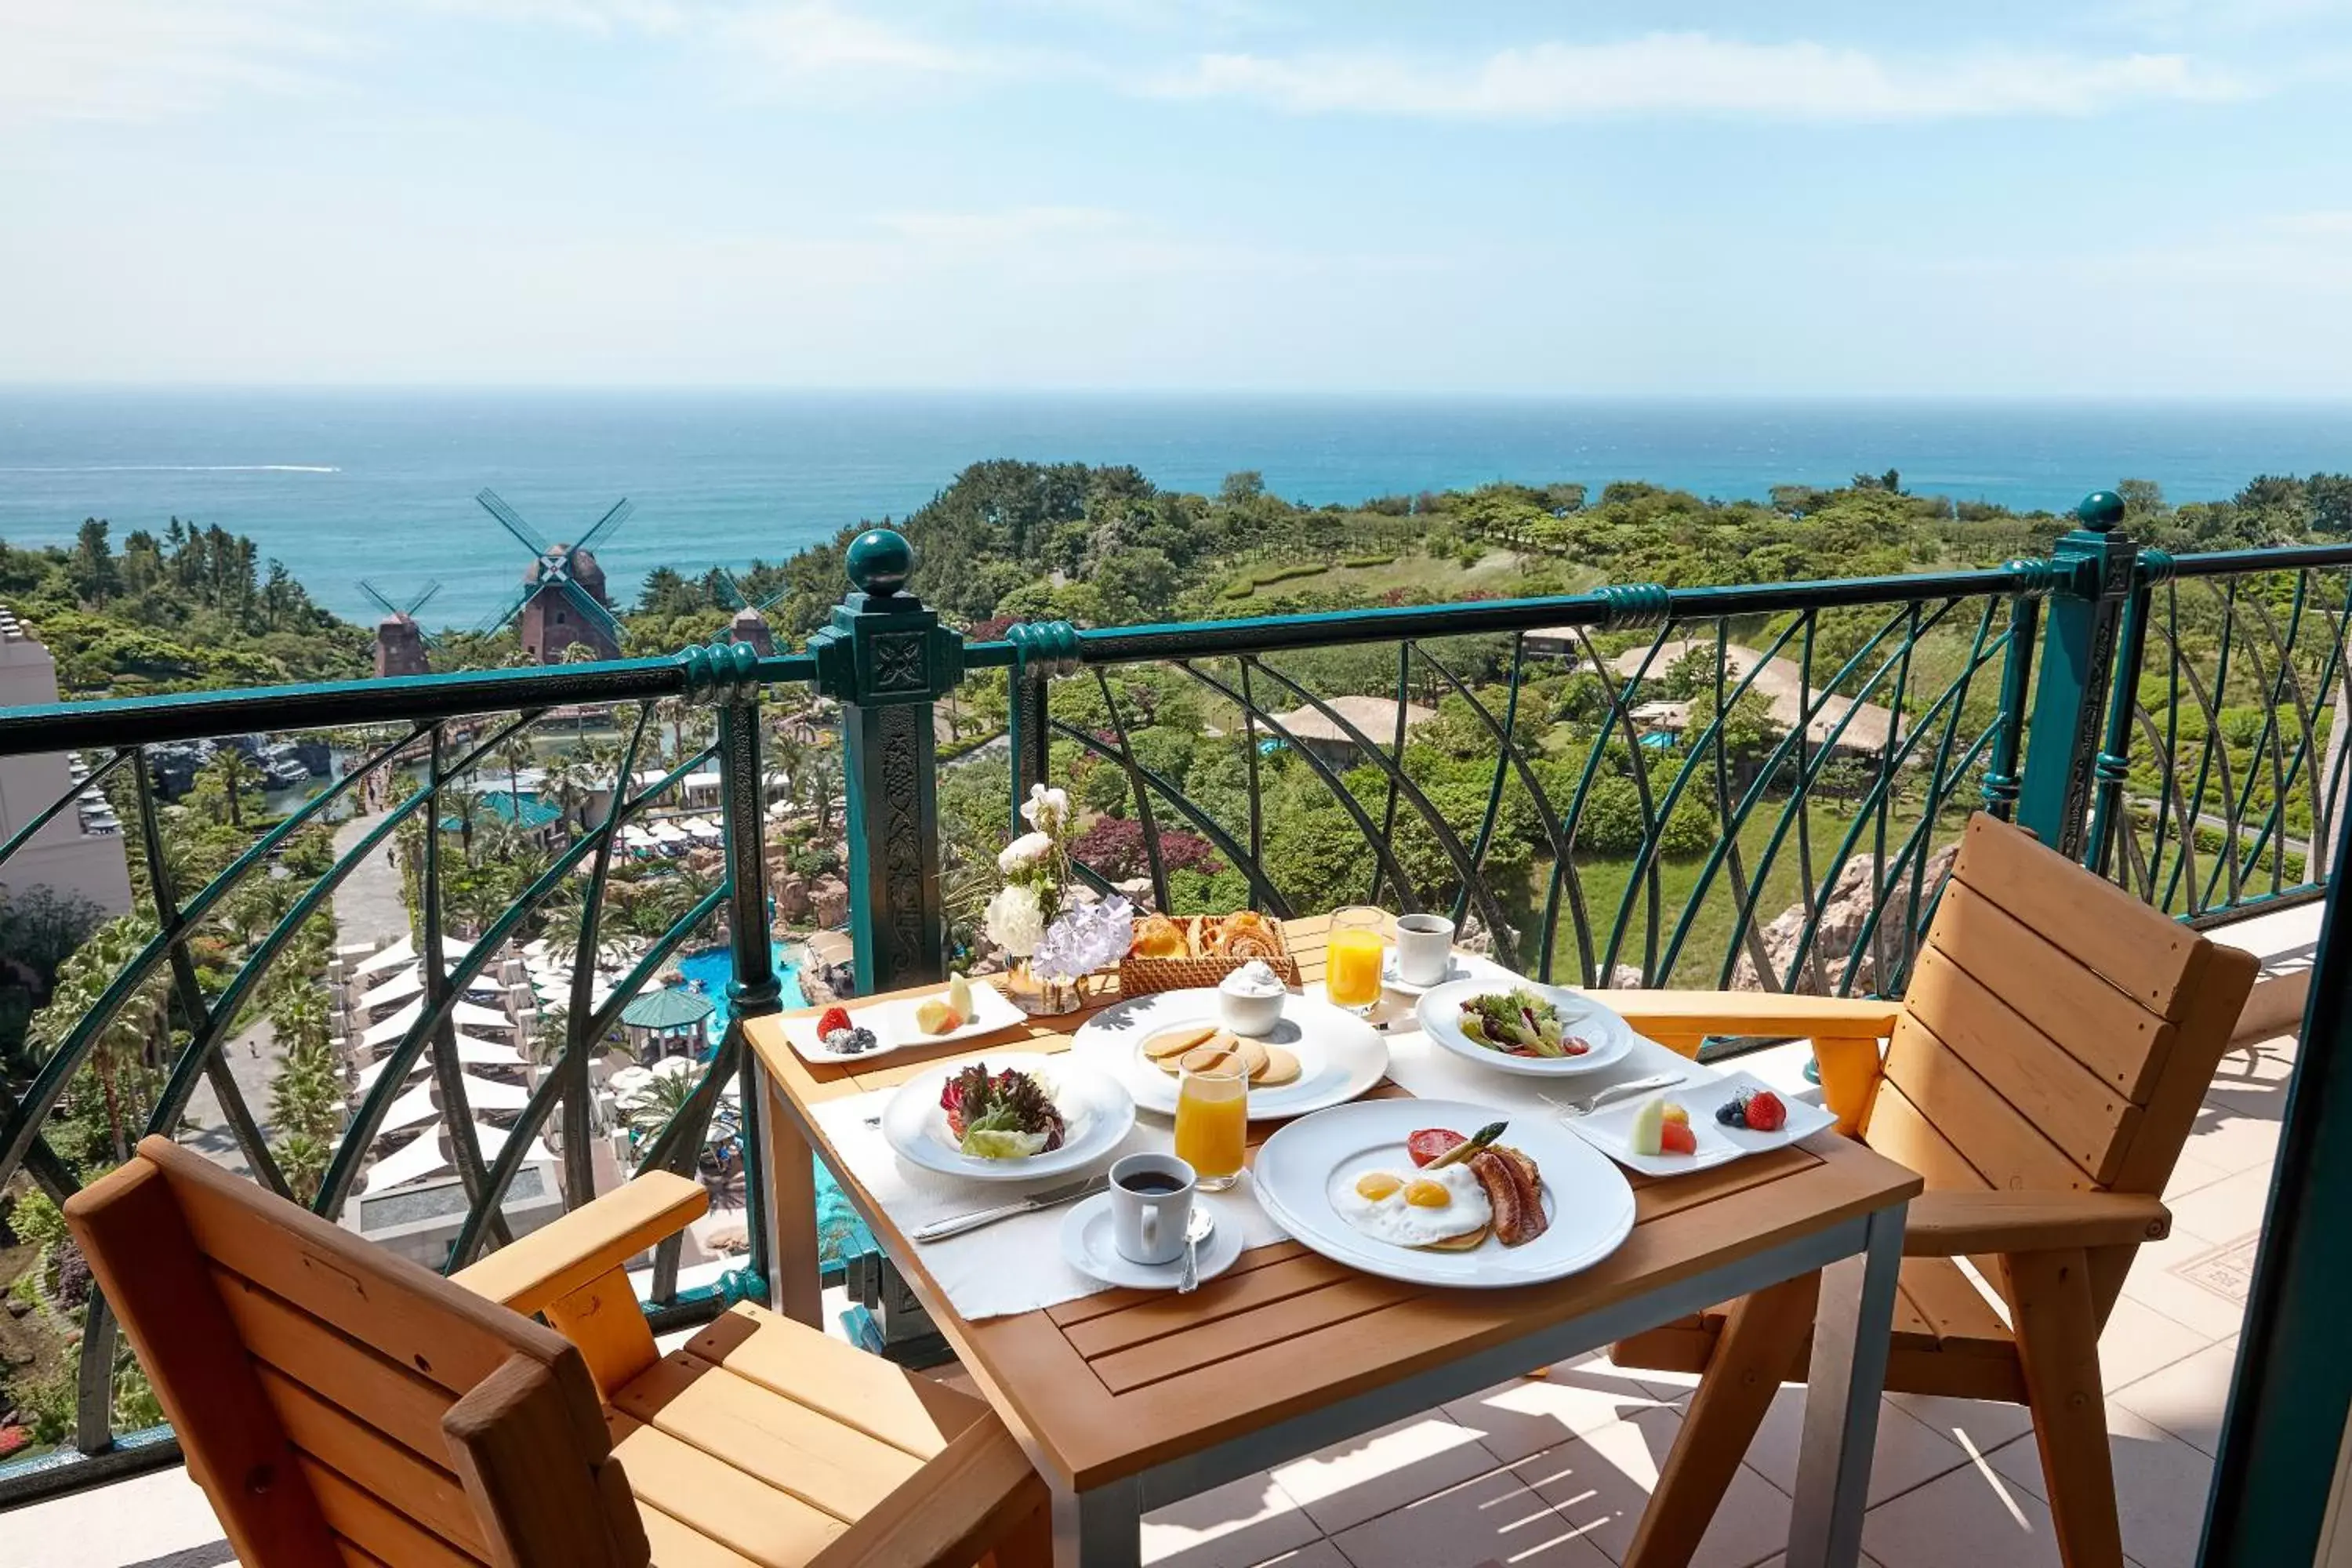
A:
[1425,949]
[1150,1207]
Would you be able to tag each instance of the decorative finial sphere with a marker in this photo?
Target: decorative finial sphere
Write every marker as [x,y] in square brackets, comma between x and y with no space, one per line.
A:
[2101,511]
[880,560]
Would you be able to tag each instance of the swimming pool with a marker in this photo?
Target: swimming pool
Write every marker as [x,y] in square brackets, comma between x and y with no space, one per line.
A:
[837,1222]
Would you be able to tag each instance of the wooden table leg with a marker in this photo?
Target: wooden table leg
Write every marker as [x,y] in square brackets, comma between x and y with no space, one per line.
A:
[1761,1346]
[1098,1529]
[793,1286]
[1845,1380]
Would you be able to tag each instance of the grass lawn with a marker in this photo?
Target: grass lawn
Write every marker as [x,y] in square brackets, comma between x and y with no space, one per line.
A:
[1699,963]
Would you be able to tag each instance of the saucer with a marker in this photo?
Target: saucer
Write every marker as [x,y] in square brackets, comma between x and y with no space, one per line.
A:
[1087,1247]
[1455,969]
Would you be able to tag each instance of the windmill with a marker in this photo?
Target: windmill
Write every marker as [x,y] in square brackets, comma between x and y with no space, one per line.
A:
[563,600]
[751,623]
[400,642]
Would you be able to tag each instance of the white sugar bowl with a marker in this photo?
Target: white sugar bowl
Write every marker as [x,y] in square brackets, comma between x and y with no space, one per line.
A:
[1250,999]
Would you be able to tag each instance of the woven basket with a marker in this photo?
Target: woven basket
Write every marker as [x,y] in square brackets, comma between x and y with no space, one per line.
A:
[1142,976]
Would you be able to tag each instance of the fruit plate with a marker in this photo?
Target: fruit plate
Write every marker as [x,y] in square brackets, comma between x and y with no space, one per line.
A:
[1440,1014]
[1340,1055]
[1096,1115]
[1587,1200]
[1610,1129]
[893,1023]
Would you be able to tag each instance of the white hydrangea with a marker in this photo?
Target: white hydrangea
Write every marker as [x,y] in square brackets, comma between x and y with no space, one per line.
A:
[1025,853]
[1016,920]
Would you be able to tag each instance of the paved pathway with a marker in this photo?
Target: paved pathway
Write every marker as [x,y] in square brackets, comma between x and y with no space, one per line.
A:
[367,905]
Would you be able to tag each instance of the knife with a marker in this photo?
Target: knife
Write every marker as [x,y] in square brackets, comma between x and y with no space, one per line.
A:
[1053,1197]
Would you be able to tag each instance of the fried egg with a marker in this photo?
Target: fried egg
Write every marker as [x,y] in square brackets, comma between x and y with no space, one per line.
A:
[1419,1208]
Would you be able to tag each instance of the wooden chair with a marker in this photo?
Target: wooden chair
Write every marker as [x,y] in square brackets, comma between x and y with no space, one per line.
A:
[338,1404]
[2043,1073]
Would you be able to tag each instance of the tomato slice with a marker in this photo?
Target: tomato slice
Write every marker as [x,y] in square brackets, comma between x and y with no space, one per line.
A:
[1429,1142]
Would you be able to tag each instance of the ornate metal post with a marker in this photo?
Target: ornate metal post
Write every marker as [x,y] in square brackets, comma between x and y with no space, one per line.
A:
[887,659]
[2093,565]
[2122,705]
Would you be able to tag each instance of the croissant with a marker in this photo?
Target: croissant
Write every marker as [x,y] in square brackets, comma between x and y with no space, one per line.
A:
[1156,936]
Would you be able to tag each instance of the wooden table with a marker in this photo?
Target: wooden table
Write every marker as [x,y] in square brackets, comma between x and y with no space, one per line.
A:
[1131,1400]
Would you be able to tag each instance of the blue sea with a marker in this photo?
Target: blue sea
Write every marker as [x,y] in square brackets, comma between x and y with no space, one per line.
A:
[341,485]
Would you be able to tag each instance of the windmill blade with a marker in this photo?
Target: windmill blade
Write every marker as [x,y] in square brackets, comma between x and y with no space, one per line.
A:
[513,524]
[606,524]
[777,597]
[736,599]
[382,602]
[422,599]
[498,622]
[590,610]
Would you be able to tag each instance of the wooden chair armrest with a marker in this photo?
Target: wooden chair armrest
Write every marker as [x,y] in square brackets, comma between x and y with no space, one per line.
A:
[553,1261]
[953,1510]
[1751,1013]
[1955,1224]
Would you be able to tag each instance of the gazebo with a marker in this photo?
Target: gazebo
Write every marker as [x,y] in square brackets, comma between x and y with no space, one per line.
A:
[669,1016]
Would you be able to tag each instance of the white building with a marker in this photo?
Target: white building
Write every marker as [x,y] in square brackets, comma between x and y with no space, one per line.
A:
[80,851]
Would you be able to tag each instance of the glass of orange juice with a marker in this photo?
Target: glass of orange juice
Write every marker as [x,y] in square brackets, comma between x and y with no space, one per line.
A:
[1213,1122]
[1351,960]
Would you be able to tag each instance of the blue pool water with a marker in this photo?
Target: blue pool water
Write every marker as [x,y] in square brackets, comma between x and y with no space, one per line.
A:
[836,1221]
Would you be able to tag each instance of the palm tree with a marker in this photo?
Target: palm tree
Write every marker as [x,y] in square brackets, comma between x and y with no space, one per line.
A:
[304,1160]
[125,1052]
[230,766]
[569,784]
[823,777]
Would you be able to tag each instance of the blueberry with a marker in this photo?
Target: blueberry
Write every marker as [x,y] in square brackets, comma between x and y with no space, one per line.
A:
[1732,1113]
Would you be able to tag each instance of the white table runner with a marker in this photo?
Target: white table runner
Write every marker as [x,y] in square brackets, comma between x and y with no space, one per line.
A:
[1016,1264]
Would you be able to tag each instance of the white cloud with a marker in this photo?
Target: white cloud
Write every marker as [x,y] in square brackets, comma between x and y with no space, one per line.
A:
[822,42]
[1665,73]
[147,59]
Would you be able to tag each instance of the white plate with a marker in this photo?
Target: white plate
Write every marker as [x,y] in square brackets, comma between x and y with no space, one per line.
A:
[1440,1014]
[1097,1113]
[893,1023]
[1462,966]
[1087,1247]
[1588,1199]
[1610,1129]
[1340,1055]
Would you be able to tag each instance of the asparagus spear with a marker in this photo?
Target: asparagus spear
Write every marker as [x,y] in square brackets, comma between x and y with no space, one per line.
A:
[1467,1147]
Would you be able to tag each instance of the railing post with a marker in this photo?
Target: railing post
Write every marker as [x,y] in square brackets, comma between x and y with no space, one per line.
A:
[1041,650]
[2092,565]
[887,659]
[2122,706]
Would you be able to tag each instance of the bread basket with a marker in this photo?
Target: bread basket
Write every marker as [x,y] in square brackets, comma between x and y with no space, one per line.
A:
[1203,967]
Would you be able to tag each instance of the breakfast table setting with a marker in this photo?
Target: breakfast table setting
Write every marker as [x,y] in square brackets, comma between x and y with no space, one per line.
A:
[1190,1197]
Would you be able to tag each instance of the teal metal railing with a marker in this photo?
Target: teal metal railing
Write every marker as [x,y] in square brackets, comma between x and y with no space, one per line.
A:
[155,1024]
[1744,785]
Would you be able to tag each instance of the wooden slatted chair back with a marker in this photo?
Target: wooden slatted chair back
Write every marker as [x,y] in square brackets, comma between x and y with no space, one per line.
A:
[2057,1033]
[338,1403]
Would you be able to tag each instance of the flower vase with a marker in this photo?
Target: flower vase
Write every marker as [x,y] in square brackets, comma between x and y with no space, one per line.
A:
[1041,996]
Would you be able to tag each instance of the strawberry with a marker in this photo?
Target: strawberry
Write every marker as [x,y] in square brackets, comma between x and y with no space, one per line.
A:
[1676,1138]
[1764,1112]
[829,1020]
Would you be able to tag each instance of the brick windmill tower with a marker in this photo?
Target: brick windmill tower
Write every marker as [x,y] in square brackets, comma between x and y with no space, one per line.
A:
[750,622]
[400,643]
[563,600]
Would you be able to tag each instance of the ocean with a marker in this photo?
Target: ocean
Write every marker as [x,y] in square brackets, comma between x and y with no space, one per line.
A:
[341,485]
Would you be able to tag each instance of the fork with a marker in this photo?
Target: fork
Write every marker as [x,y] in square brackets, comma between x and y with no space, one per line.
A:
[1585,1105]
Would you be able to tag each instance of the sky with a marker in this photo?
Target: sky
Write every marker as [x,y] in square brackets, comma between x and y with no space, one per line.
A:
[2062,198]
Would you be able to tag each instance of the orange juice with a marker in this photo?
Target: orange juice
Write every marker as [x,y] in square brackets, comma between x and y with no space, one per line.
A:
[1213,1125]
[1352,965]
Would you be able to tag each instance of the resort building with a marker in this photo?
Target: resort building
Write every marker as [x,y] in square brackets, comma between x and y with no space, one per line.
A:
[80,851]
